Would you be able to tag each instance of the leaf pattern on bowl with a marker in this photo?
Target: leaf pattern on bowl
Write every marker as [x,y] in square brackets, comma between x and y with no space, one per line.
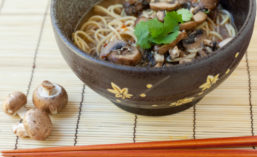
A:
[118,92]
[210,81]
[182,102]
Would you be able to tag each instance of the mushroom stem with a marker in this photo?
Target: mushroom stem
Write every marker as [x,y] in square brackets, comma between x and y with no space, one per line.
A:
[48,88]
[21,112]
[50,97]
[20,131]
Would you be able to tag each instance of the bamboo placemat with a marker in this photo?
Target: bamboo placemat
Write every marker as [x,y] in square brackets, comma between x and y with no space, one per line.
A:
[29,54]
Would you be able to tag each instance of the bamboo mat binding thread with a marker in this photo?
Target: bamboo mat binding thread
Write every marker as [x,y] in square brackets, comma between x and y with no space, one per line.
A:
[29,54]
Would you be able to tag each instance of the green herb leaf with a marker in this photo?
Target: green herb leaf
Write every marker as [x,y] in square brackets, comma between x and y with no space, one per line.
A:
[165,39]
[143,35]
[171,20]
[155,32]
[155,27]
[186,14]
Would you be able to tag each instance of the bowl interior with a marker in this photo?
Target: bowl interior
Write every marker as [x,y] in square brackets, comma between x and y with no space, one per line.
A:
[67,14]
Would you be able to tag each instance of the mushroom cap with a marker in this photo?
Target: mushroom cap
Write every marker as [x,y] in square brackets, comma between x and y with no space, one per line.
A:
[200,17]
[52,103]
[114,45]
[37,124]
[135,7]
[164,5]
[165,48]
[209,4]
[128,55]
[188,25]
[14,102]
[195,40]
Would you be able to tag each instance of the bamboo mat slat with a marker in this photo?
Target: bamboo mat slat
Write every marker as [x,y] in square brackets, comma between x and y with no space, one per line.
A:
[26,39]
[27,7]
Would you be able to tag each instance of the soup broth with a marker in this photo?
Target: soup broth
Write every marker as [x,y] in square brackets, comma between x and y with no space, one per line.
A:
[154,33]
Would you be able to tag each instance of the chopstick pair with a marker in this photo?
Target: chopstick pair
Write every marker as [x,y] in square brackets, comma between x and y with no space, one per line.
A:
[156,149]
[143,153]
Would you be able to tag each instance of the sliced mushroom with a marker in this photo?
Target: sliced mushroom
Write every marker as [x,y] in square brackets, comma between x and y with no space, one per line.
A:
[195,9]
[50,97]
[187,4]
[165,48]
[188,25]
[135,7]
[211,44]
[209,4]
[207,42]
[14,104]
[174,53]
[114,45]
[160,15]
[159,59]
[199,17]
[127,55]
[168,5]
[194,42]
[36,124]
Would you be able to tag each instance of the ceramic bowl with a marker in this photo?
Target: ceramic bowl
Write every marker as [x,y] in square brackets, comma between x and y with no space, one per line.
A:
[152,91]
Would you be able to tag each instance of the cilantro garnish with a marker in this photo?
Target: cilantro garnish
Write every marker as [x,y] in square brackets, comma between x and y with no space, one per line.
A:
[186,14]
[142,34]
[155,32]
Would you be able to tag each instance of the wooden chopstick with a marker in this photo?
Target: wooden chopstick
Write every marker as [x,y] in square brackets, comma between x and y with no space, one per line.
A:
[143,153]
[183,144]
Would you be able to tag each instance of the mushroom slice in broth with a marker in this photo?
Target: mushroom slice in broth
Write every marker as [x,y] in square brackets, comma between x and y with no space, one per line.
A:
[135,7]
[168,5]
[188,25]
[117,43]
[209,4]
[114,45]
[194,42]
[165,48]
[127,55]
